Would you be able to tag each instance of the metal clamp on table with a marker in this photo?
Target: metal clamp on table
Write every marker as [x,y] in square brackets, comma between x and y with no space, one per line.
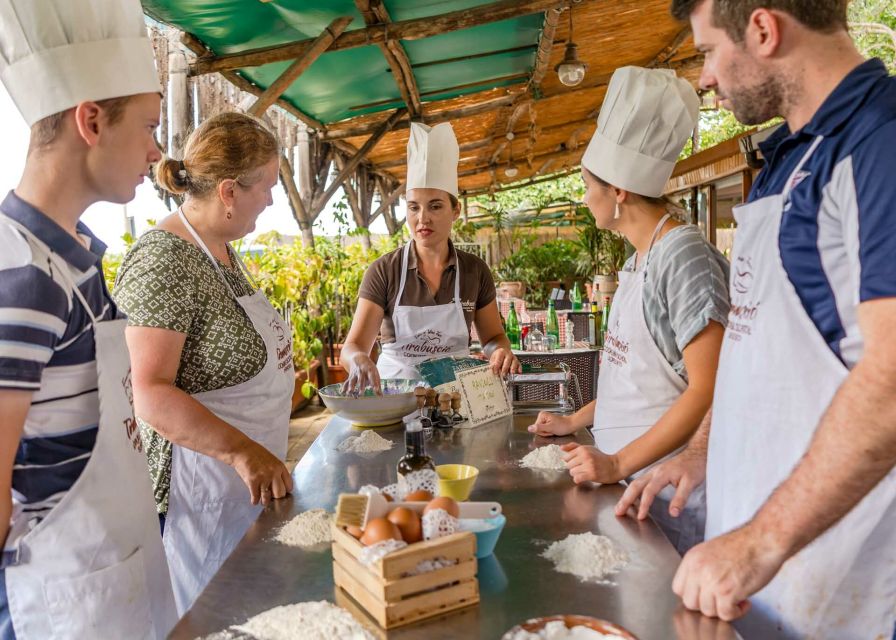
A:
[559,375]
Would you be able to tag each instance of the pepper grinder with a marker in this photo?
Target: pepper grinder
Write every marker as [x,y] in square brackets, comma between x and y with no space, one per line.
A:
[431,407]
[420,396]
[445,421]
[455,408]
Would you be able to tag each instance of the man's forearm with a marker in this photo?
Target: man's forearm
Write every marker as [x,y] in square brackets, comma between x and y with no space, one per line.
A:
[853,448]
[699,442]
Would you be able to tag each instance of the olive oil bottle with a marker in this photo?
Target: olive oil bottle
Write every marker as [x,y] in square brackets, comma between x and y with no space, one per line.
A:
[415,458]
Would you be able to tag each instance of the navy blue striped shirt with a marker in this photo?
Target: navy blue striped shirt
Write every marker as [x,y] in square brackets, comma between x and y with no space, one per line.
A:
[47,347]
[838,236]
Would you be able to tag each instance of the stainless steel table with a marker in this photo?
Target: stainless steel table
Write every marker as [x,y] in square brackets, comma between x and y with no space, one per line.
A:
[515,583]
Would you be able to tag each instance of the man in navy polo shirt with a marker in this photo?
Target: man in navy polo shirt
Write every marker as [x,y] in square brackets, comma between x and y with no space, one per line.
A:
[799,453]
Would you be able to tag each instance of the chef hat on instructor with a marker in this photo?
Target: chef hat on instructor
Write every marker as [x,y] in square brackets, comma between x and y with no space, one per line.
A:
[645,120]
[55,54]
[432,158]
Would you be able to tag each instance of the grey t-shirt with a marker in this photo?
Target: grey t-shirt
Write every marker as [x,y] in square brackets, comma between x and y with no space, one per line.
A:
[687,286]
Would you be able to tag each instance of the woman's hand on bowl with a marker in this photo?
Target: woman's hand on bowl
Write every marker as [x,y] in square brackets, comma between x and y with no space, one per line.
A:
[362,374]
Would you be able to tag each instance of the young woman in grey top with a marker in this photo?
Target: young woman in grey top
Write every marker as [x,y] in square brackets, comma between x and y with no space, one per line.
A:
[661,351]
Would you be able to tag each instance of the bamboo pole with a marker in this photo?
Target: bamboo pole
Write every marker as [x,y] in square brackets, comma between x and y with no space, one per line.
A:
[403,30]
[320,44]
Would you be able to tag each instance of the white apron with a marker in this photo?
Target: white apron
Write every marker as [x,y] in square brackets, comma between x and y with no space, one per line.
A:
[636,387]
[776,378]
[209,509]
[94,567]
[423,333]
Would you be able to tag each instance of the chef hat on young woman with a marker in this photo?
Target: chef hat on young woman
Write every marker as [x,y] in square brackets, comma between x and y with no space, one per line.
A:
[645,120]
[432,158]
[55,54]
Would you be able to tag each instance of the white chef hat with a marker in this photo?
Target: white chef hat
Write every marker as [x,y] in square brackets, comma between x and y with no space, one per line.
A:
[432,158]
[645,120]
[55,54]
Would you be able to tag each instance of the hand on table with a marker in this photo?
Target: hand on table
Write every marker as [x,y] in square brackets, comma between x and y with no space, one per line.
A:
[264,474]
[502,361]
[590,464]
[692,625]
[552,424]
[717,577]
[362,374]
[685,472]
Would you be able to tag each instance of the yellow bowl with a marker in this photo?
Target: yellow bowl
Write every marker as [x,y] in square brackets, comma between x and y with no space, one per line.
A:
[456,480]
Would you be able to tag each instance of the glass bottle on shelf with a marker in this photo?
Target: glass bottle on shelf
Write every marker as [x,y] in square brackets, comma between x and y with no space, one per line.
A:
[552,324]
[575,297]
[512,328]
[593,329]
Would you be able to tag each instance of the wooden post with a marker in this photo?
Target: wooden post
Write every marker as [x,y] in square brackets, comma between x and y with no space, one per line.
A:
[179,116]
[387,200]
[352,195]
[297,68]
[295,202]
[321,201]
[303,161]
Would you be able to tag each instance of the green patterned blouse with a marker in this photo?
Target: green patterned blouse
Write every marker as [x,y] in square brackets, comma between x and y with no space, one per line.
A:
[166,282]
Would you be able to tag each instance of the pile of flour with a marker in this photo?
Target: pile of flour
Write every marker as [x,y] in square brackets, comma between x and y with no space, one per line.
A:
[557,630]
[367,442]
[306,620]
[586,555]
[547,457]
[306,529]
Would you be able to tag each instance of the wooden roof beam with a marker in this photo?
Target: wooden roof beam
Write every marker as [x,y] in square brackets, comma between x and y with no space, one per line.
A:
[349,167]
[376,15]
[193,43]
[431,118]
[556,154]
[517,185]
[284,80]
[670,49]
[485,142]
[403,30]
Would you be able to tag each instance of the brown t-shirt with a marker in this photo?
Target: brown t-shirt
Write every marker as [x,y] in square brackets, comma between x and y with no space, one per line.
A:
[383,277]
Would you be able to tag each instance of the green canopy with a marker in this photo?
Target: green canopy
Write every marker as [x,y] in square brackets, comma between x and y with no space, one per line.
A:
[352,82]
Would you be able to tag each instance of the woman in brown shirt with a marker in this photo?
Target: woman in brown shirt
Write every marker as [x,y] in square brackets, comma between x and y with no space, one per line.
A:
[423,297]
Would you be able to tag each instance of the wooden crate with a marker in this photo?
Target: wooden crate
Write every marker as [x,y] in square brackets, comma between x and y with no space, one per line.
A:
[393,600]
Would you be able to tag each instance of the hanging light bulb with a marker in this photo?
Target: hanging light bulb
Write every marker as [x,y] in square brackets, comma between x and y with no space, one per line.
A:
[572,70]
[510,170]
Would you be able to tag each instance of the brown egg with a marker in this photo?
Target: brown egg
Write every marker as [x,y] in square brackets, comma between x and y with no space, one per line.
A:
[379,529]
[418,496]
[443,502]
[408,523]
[354,531]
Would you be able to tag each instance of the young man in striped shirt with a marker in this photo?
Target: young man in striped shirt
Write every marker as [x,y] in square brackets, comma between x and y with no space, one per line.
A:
[78,560]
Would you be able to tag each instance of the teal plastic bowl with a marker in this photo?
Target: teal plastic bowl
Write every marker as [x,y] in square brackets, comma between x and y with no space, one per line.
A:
[487,539]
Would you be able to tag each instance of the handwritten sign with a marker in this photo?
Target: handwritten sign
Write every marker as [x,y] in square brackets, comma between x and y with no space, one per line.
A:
[484,395]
